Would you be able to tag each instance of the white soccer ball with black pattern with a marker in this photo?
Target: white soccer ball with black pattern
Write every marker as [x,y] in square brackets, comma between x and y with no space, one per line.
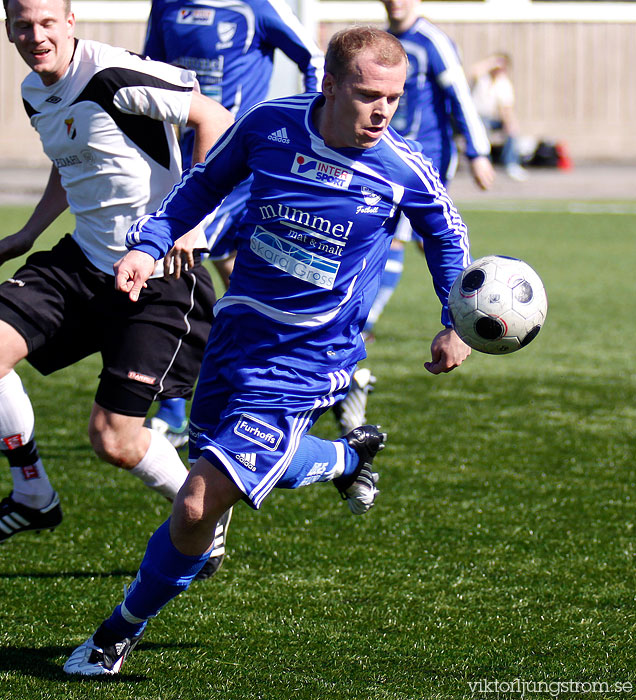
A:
[498,304]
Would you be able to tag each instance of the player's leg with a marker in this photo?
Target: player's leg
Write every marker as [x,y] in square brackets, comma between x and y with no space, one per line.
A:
[389,281]
[171,421]
[261,438]
[32,504]
[122,440]
[225,473]
[175,325]
[175,553]
[351,412]
[34,305]
[347,462]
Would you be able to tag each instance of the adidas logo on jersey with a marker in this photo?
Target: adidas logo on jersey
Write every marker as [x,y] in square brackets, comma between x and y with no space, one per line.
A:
[247,459]
[280,136]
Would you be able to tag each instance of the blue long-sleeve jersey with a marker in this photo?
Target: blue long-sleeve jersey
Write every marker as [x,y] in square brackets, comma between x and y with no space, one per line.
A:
[230,45]
[436,97]
[313,242]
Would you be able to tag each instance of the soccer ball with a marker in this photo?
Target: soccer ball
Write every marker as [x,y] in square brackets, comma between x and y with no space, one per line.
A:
[497,304]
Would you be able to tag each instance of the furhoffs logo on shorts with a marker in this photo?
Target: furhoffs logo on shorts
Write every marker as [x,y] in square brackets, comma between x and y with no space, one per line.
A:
[258,432]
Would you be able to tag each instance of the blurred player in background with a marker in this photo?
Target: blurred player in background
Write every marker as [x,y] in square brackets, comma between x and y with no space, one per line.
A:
[105,118]
[231,48]
[436,103]
[494,96]
[286,336]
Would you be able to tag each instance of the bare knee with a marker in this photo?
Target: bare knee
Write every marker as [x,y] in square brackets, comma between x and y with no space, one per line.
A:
[118,440]
[190,511]
[13,348]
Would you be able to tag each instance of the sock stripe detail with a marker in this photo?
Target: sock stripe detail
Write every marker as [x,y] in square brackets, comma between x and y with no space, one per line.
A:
[128,616]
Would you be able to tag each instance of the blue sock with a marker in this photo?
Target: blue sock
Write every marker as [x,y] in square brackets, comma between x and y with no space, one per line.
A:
[173,411]
[388,283]
[319,460]
[163,574]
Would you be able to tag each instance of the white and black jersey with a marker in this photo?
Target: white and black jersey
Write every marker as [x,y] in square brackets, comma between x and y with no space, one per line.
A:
[107,127]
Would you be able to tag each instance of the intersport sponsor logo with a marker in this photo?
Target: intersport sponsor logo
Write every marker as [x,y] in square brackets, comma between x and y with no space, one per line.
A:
[320,171]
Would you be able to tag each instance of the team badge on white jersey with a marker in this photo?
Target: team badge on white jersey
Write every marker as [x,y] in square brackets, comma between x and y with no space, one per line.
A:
[71,131]
[318,170]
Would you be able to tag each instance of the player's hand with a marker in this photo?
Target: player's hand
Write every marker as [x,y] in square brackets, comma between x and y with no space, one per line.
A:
[15,245]
[132,271]
[448,351]
[483,172]
[181,255]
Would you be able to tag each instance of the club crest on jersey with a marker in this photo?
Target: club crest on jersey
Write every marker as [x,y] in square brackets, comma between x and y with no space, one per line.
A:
[71,131]
[371,198]
[258,432]
[226,32]
[318,170]
[202,17]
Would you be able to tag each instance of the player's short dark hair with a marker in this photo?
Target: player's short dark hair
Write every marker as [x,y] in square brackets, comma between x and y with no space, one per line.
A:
[346,44]
[67,7]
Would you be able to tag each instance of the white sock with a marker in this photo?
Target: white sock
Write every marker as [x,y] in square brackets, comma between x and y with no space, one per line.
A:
[16,413]
[31,485]
[339,466]
[161,468]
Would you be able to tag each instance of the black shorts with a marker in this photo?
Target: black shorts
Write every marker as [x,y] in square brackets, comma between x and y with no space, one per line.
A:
[66,309]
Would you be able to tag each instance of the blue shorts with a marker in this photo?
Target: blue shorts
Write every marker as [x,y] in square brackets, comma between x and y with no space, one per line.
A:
[222,224]
[248,418]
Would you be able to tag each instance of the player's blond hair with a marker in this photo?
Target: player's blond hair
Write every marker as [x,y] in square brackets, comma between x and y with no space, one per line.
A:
[346,44]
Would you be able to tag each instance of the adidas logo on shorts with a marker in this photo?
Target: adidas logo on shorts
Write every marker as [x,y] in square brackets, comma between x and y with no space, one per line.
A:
[247,459]
[280,136]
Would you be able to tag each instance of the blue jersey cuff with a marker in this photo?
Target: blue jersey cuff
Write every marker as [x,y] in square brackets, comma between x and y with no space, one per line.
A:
[150,248]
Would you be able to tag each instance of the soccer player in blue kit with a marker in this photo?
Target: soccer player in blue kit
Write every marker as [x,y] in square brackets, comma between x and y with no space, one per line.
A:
[286,337]
[231,48]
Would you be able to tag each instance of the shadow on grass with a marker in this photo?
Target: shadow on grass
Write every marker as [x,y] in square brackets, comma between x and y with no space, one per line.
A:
[69,574]
[44,662]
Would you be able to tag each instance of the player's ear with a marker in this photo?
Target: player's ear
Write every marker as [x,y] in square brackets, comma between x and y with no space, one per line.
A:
[328,85]
[7,26]
[70,25]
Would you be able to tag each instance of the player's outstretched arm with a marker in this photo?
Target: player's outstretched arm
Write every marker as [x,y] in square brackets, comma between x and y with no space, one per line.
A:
[448,351]
[51,205]
[132,271]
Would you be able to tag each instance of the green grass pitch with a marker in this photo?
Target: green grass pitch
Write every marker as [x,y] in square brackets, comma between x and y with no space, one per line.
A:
[501,546]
